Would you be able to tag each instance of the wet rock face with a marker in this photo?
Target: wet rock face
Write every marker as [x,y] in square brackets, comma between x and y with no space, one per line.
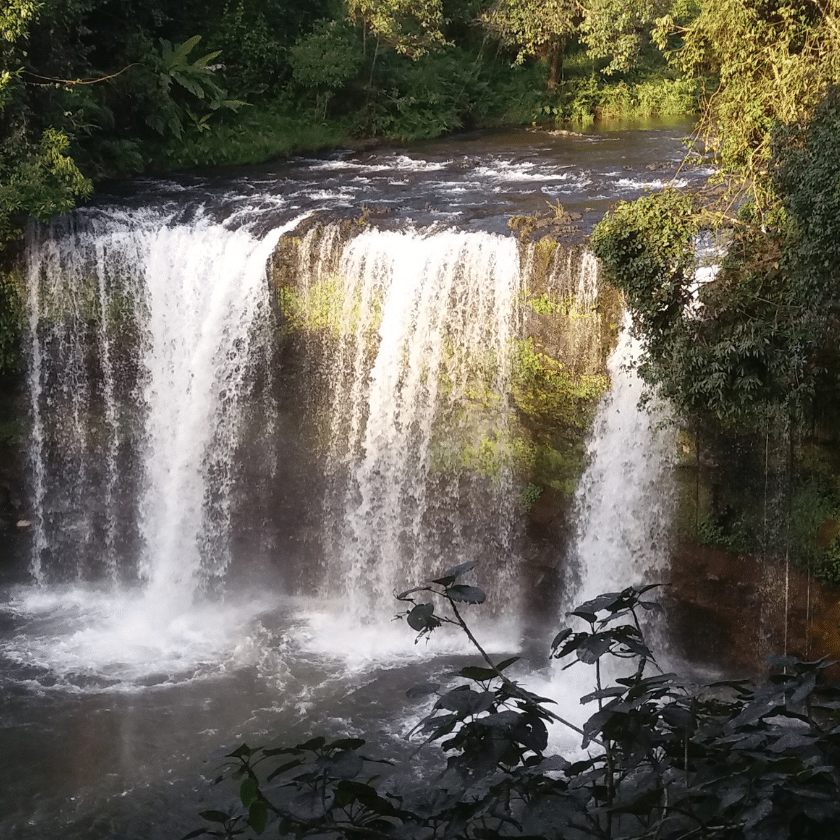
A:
[753,516]
[549,532]
[514,408]
[714,599]
[559,225]
[15,522]
[728,612]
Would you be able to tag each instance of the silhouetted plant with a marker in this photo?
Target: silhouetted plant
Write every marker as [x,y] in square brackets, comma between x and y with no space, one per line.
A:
[661,759]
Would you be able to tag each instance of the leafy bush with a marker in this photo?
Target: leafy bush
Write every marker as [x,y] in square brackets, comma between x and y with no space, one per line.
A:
[761,339]
[549,392]
[255,57]
[736,537]
[326,59]
[662,759]
[422,99]
[647,250]
[815,517]
[259,134]
[39,181]
[774,62]
[11,320]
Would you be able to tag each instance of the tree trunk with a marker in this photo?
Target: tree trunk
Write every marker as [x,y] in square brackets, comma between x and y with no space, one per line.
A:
[555,64]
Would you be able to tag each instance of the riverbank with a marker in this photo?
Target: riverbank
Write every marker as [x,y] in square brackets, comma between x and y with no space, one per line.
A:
[275,131]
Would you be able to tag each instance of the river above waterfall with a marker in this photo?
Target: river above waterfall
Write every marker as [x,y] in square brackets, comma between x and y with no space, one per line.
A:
[476,180]
[162,619]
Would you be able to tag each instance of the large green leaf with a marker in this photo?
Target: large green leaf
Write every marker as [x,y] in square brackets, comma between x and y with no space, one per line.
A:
[214,816]
[258,816]
[451,575]
[466,594]
[422,618]
[249,791]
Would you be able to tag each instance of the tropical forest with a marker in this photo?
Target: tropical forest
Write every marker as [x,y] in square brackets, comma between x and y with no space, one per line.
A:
[420,419]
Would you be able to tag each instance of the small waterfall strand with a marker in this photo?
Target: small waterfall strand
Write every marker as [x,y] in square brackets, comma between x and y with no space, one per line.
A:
[625,498]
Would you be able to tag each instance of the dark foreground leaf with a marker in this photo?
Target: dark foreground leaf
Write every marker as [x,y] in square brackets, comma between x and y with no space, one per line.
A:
[467,594]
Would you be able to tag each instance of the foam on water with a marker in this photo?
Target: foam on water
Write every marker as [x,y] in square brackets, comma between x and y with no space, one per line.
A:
[88,639]
[392,643]
[525,171]
[402,163]
[636,184]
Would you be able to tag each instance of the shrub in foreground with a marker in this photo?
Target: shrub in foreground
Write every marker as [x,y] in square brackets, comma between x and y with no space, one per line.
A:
[660,758]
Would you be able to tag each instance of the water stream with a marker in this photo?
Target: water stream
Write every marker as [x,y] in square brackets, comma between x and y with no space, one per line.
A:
[167,612]
[626,496]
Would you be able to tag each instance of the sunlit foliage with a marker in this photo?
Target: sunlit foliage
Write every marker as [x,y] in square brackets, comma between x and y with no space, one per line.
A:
[412,27]
[766,62]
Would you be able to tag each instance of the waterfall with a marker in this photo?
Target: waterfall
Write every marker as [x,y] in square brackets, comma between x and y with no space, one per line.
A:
[144,335]
[243,418]
[417,351]
[150,355]
[624,502]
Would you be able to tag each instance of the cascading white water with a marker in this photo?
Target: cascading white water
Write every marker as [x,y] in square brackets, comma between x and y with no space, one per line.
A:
[205,303]
[623,514]
[419,362]
[624,502]
[144,334]
[417,328]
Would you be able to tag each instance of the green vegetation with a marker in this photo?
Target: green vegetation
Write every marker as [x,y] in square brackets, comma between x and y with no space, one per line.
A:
[98,89]
[549,393]
[545,445]
[11,320]
[534,29]
[596,97]
[660,758]
[765,65]
[529,496]
[556,406]
[323,309]
[93,89]
[752,355]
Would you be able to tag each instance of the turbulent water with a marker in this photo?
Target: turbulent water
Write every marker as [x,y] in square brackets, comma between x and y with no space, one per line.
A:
[166,613]
[626,495]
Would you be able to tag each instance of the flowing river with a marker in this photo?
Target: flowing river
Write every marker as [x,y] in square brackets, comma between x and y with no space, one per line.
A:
[219,526]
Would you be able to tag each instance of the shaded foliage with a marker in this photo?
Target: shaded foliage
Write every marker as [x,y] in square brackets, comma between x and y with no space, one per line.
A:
[760,340]
[753,352]
[618,30]
[11,321]
[660,758]
[535,29]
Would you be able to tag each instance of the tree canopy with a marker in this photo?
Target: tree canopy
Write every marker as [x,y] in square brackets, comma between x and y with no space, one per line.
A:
[534,29]
[762,335]
[767,63]
[412,27]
